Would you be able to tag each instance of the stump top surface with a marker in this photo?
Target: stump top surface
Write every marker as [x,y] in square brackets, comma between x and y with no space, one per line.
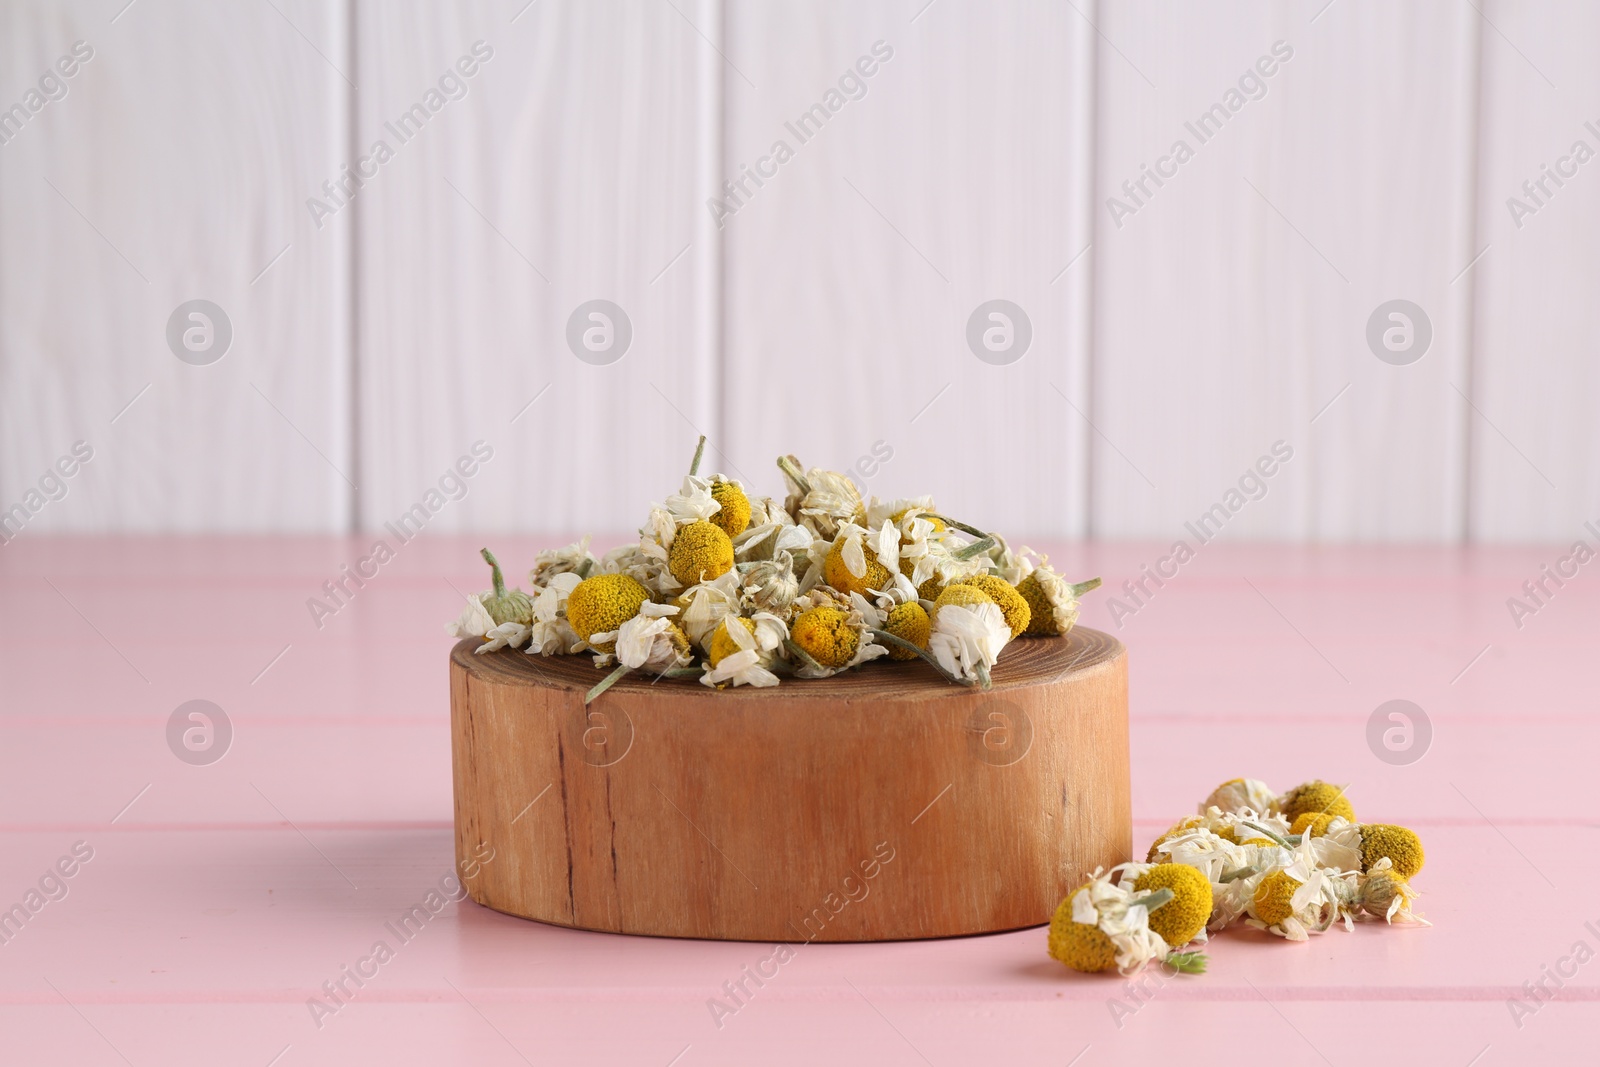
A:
[1025,661]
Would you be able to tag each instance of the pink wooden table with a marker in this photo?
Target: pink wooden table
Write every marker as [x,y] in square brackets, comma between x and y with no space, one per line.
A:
[219,898]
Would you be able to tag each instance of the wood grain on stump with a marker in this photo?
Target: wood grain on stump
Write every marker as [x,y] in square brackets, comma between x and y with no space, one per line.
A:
[881,804]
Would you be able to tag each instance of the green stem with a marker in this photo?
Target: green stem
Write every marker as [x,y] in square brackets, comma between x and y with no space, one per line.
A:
[1080,588]
[977,548]
[982,670]
[699,450]
[1237,873]
[953,524]
[802,655]
[1152,901]
[681,672]
[494,570]
[582,570]
[899,642]
[1187,962]
[791,467]
[610,680]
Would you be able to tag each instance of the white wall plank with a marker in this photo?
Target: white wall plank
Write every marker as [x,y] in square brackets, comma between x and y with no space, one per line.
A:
[564,175]
[174,168]
[1537,380]
[1232,306]
[961,176]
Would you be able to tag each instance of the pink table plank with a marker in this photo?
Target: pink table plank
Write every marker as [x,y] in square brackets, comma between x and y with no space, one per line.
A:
[481,1033]
[269,913]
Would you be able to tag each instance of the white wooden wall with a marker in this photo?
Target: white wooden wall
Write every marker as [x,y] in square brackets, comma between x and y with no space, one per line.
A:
[827,315]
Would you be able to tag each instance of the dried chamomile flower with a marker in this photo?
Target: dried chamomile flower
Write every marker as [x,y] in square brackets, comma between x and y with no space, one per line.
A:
[1318,797]
[767,540]
[500,616]
[1314,823]
[1180,827]
[828,640]
[1400,846]
[573,559]
[967,637]
[700,551]
[961,594]
[821,499]
[705,605]
[1005,595]
[644,562]
[652,641]
[1052,600]
[897,511]
[725,640]
[825,634]
[551,634]
[1300,899]
[1240,795]
[1183,918]
[474,620]
[910,623]
[1385,895]
[768,585]
[765,510]
[1337,849]
[743,650]
[603,603]
[694,502]
[504,605]
[1082,946]
[1009,566]
[920,552]
[648,641]
[1101,925]
[733,515]
[837,568]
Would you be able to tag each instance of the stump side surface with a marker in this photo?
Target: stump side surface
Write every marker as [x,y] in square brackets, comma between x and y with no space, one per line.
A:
[880,804]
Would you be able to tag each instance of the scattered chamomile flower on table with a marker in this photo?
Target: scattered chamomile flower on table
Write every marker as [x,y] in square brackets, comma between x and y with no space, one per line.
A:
[1316,797]
[1104,925]
[1294,865]
[736,588]
[1240,795]
[1387,896]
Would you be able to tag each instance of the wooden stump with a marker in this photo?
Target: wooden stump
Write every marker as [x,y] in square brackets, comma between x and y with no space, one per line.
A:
[881,804]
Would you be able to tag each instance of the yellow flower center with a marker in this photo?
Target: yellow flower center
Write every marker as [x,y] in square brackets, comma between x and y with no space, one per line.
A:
[700,552]
[603,603]
[826,636]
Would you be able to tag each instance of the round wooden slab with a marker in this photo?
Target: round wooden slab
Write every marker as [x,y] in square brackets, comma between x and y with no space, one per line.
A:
[880,804]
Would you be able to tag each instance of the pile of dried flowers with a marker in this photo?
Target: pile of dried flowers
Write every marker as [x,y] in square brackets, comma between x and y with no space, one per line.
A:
[738,590]
[1292,865]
